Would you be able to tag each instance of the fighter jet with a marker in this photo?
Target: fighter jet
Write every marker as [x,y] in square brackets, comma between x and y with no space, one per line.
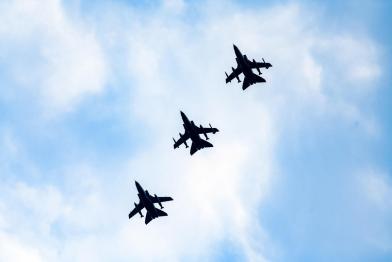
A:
[147,201]
[245,66]
[193,132]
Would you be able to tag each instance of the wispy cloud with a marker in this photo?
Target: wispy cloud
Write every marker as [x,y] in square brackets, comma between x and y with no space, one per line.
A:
[50,54]
[170,62]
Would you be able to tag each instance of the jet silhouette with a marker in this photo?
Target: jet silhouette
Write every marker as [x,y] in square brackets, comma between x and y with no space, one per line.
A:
[147,201]
[245,66]
[193,132]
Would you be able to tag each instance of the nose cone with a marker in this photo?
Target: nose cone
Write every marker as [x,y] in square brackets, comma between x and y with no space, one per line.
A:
[236,50]
[139,188]
[183,116]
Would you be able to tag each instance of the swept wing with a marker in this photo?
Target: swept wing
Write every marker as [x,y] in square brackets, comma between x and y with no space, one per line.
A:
[136,210]
[182,140]
[236,72]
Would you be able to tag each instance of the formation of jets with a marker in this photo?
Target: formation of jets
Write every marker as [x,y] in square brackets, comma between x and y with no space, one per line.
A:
[193,132]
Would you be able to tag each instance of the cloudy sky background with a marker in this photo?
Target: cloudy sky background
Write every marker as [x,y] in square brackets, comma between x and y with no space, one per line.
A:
[90,98]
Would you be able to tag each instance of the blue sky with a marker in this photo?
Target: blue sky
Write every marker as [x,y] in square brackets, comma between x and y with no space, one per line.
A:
[90,98]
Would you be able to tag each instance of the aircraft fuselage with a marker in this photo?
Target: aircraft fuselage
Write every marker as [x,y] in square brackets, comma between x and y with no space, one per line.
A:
[145,199]
[190,127]
[242,62]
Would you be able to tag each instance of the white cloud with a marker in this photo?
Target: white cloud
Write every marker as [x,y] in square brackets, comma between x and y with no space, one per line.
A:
[30,213]
[174,5]
[357,57]
[377,188]
[174,65]
[12,250]
[50,53]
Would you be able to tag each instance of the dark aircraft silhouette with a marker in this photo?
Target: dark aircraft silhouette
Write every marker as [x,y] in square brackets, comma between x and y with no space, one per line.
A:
[147,201]
[193,132]
[245,66]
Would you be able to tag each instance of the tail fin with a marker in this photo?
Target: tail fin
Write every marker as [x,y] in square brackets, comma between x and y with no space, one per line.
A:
[161,213]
